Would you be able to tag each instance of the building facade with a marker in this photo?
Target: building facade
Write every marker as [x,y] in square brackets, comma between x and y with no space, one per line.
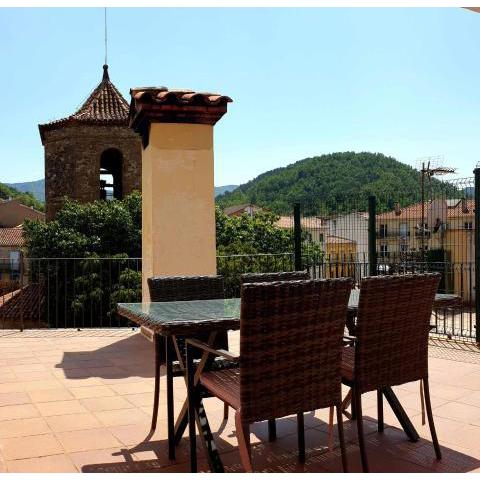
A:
[92,154]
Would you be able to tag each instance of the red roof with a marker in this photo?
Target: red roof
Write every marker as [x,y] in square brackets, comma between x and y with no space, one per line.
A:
[454,210]
[105,105]
[11,237]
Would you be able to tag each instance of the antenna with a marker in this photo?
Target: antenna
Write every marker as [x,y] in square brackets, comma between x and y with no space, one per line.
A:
[106,37]
[430,167]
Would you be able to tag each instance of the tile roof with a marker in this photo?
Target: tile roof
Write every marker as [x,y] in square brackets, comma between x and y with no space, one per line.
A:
[305,222]
[105,105]
[159,104]
[165,96]
[454,210]
[238,208]
[11,237]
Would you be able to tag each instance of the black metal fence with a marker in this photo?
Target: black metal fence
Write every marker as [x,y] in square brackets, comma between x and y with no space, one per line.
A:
[433,229]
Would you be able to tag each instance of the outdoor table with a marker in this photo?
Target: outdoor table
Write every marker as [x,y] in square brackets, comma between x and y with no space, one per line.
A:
[167,320]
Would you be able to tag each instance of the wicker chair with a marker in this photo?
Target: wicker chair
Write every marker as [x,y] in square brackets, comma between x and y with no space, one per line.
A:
[171,289]
[290,358]
[391,343]
[273,277]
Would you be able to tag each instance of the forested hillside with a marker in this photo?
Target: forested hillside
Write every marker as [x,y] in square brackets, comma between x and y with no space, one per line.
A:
[27,198]
[337,182]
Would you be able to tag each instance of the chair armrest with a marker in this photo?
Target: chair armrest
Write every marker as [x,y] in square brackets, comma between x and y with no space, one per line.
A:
[220,352]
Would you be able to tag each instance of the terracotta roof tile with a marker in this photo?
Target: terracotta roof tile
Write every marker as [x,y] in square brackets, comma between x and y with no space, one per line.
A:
[163,95]
[105,105]
[454,210]
[11,237]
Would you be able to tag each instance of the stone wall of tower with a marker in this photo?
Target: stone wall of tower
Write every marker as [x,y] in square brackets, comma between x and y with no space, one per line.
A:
[72,162]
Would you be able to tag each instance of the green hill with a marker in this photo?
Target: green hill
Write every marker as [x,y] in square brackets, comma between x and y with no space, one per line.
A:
[26,198]
[337,182]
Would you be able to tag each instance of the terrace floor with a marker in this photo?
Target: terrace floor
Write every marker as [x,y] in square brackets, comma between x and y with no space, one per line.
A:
[80,401]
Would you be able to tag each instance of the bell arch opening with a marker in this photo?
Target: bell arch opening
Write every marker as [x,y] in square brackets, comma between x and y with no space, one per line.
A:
[111,178]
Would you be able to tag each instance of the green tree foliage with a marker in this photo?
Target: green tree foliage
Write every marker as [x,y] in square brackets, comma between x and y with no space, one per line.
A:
[255,234]
[335,183]
[27,198]
[81,230]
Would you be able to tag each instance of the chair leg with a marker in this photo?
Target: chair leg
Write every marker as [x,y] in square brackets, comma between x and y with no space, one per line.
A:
[156,395]
[225,411]
[301,437]
[341,438]
[170,410]
[191,410]
[272,430]
[428,405]
[380,410]
[361,438]
[243,437]
[353,407]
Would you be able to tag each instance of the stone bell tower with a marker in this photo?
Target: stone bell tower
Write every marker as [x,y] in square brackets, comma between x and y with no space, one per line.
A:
[92,154]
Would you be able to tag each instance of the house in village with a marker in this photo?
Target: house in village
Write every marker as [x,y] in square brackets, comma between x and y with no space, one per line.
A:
[446,226]
[12,216]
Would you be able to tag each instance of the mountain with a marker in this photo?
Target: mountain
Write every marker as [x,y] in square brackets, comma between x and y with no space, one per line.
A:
[336,183]
[7,192]
[225,188]
[36,188]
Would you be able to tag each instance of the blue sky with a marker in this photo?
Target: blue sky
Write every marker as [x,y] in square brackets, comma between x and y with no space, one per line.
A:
[404,82]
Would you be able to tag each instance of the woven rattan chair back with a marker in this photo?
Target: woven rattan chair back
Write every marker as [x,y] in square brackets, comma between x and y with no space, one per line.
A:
[273,277]
[183,288]
[176,289]
[290,346]
[392,329]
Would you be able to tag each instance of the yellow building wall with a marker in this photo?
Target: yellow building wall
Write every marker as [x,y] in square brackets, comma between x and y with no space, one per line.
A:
[178,210]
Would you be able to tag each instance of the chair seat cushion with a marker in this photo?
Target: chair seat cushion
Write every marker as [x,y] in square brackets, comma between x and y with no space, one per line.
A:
[224,384]
[219,363]
[348,363]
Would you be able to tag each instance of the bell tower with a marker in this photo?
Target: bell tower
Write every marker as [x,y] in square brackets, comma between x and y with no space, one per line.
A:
[91,154]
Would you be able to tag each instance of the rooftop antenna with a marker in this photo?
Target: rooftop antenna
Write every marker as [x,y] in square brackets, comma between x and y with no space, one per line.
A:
[430,167]
[106,38]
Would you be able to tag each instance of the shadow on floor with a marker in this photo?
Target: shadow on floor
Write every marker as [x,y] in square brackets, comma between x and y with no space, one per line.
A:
[388,452]
[131,356]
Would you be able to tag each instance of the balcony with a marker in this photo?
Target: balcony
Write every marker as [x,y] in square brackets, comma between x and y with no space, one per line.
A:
[80,401]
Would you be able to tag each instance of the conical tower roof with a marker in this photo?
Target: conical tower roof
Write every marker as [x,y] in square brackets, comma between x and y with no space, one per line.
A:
[104,106]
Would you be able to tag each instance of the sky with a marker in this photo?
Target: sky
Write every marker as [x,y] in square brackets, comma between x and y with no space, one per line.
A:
[403,82]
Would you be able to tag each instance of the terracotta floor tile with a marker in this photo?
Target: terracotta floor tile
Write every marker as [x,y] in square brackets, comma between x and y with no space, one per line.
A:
[50,395]
[83,460]
[27,447]
[13,398]
[61,407]
[28,367]
[131,388]
[76,421]
[84,440]
[32,385]
[79,382]
[458,411]
[12,412]
[105,403]
[51,464]
[93,391]
[141,399]
[472,398]
[121,417]
[138,432]
[23,427]
[12,386]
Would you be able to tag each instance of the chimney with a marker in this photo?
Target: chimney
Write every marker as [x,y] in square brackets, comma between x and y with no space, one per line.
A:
[398,210]
[178,208]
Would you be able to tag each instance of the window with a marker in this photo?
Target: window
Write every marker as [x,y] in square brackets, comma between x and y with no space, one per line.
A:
[383,231]
[468,225]
[404,230]
[111,162]
[384,251]
[403,248]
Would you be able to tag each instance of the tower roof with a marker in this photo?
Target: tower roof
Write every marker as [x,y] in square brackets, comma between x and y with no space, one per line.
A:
[104,106]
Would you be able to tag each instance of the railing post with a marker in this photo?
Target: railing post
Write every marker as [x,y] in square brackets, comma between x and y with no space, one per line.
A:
[477,253]
[372,235]
[297,236]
